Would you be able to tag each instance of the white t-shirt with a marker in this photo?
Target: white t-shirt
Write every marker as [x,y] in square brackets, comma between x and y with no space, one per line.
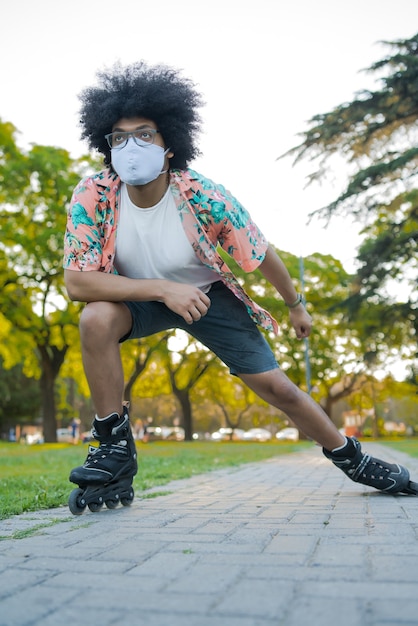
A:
[151,243]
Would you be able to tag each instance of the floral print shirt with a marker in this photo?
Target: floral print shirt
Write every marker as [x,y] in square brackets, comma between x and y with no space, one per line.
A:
[210,216]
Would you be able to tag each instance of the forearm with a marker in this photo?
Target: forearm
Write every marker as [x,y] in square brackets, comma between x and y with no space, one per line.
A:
[185,300]
[276,273]
[96,286]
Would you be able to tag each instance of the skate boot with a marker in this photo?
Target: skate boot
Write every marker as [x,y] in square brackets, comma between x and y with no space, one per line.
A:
[107,473]
[365,469]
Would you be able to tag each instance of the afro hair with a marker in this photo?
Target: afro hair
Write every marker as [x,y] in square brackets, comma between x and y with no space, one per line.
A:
[158,93]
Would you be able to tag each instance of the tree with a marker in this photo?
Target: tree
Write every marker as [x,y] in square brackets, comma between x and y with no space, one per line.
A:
[19,398]
[238,406]
[185,368]
[138,355]
[35,187]
[376,134]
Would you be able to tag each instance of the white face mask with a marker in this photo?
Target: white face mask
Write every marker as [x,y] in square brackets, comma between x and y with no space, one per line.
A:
[138,165]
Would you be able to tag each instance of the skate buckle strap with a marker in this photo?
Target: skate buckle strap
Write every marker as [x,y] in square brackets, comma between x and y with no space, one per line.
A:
[354,475]
[118,432]
[116,429]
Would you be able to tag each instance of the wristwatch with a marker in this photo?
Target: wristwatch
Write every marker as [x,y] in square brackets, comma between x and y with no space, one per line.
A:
[299,300]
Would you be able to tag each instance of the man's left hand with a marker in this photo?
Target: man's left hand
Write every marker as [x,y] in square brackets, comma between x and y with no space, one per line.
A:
[301,321]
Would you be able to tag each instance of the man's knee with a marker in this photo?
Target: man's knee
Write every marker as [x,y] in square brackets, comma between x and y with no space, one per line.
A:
[275,387]
[283,389]
[104,320]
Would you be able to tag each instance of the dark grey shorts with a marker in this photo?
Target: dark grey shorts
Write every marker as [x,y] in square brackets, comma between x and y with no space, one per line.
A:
[226,329]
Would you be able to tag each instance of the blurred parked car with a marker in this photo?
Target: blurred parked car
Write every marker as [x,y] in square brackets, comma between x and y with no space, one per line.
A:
[224,434]
[154,433]
[201,436]
[288,434]
[64,435]
[34,438]
[257,434]
[173,434]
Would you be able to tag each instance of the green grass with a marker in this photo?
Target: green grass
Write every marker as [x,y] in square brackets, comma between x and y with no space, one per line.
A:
[409,446]
[33,530]
[36,477]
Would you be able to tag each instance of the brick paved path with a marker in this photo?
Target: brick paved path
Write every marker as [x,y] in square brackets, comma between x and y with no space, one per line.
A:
[284,542]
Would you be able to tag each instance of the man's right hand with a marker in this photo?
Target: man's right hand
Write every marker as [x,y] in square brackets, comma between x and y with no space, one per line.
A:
[186,300]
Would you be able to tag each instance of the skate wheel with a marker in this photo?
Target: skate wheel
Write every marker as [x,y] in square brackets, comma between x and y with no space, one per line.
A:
[74,503]
[127,500]
[111,504]
[95,506]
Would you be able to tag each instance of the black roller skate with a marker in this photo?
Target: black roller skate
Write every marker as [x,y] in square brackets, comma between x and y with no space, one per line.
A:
[363,468]
[107,474]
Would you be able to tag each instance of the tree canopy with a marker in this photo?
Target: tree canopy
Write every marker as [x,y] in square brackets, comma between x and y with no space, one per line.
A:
[376,136]
[35,188]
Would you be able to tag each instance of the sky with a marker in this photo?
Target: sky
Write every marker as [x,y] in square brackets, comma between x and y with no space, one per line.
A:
[264,69]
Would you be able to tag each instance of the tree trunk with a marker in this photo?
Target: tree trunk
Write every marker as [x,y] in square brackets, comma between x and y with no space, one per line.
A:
[140,364]
[183,397]
[51,360]
[48,407]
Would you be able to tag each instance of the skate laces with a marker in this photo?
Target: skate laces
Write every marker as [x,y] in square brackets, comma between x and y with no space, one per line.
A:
[371,468]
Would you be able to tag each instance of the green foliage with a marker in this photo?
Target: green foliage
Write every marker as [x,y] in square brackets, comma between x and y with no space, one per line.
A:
[185,368]
[19,397]
[229,399]
[35,188]
[14,175]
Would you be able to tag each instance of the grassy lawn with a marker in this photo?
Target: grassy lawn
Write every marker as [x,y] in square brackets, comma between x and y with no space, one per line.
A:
[36,477]
[409,446]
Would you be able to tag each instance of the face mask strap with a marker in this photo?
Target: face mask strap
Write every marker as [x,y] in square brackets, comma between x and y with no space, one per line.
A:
[165,154]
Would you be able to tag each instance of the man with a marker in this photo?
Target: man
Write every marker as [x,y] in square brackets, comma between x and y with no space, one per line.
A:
[141,251]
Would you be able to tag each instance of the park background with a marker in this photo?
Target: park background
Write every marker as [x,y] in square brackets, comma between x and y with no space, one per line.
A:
[263,70]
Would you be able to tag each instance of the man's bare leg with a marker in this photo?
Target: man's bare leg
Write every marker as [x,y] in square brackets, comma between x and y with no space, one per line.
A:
[276,389]
[102,325]
[345,453]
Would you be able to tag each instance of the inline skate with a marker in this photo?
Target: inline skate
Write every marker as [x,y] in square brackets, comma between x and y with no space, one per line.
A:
[107,473]
[363,468]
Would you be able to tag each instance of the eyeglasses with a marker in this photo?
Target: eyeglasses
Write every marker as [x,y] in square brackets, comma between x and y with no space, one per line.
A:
[141,137]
